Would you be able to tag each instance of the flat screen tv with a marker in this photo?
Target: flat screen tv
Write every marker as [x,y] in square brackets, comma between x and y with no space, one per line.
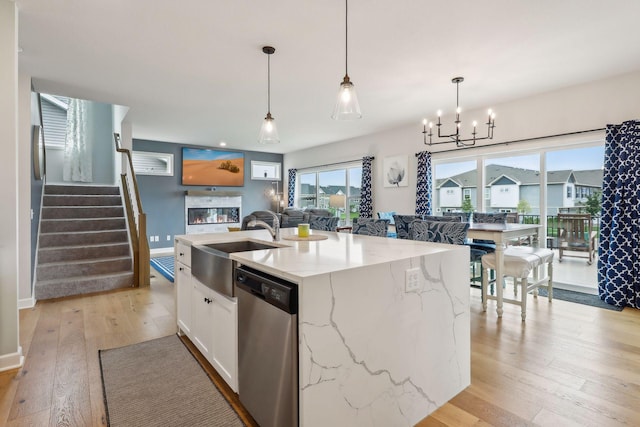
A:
[212,167]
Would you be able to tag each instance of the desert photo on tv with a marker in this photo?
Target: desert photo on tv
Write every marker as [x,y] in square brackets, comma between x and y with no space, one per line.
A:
[212,167]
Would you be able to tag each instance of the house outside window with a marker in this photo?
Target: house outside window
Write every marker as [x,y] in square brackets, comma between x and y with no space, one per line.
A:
[316,187]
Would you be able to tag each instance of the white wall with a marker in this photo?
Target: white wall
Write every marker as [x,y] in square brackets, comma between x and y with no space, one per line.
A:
[572,109]
[25,167]
[10,352]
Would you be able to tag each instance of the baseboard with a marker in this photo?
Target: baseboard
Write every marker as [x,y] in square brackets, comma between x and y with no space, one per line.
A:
[576,288]
[11,360]
[26,303]
[161,251]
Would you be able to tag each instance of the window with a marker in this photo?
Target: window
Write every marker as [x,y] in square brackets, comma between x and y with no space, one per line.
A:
[315,189]
[448,178]
[148,163]
[569,192]
[54,120]
[308,190]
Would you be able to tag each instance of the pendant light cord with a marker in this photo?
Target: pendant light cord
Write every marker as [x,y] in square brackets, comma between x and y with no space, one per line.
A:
[346,36]
[269,83]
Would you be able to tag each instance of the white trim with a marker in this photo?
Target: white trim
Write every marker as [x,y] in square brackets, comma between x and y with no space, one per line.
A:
[26,303]
[55,101]
[161,251]
[11,360]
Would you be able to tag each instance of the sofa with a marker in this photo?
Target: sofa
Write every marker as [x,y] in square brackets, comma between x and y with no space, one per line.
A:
[291,217]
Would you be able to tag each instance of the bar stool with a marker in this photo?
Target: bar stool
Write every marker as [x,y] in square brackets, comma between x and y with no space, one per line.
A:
[519,262]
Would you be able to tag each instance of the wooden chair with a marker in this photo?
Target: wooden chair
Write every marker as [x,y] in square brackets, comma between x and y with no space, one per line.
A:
[576,234]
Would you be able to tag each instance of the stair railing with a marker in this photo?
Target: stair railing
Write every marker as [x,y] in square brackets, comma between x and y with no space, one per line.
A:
[136,219]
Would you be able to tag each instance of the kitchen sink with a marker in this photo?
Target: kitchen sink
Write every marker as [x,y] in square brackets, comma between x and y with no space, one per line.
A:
[211,265]
[240,246]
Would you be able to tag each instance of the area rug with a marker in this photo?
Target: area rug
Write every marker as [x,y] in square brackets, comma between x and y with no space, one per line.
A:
[159,383]
[164,265]
[580,298]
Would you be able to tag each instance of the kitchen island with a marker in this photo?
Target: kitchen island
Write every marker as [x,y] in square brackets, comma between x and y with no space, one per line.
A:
[383,324]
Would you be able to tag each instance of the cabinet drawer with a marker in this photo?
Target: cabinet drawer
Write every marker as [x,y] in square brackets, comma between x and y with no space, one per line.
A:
[183,253]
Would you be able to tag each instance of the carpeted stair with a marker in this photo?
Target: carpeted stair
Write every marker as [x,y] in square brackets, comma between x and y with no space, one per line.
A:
[83,243]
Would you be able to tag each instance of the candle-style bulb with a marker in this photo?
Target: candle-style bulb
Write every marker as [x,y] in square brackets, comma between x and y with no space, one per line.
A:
[439,113]
[458,110]
[475,123]
[424,122]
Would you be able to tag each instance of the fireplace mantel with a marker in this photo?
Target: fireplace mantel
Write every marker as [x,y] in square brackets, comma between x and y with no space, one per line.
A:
[209,193]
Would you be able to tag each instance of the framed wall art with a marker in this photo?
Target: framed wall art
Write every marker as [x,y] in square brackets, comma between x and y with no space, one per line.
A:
[395,171]
[212,167]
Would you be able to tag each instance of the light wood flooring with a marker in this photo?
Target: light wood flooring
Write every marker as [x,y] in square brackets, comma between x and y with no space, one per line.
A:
[568,365]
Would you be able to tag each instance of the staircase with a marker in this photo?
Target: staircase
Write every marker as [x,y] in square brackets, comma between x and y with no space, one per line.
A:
[83,242]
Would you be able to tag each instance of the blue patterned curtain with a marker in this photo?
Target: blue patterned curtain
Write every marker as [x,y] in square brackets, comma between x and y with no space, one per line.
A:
[291,187]
[424,184]
[619,251]
[366,200]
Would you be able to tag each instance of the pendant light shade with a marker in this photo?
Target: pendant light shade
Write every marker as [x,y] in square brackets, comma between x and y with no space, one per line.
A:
[268,131]
[347,106]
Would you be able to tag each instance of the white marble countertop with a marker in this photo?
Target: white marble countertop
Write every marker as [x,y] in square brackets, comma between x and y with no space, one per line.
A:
[296,260]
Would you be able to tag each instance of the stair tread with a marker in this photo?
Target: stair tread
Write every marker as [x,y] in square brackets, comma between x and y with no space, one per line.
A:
[85,261]
[84,219]
[84,232]
[79,206]
[86,277]
[94,245]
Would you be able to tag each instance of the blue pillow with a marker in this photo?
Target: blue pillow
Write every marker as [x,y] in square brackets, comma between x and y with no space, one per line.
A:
[387,215]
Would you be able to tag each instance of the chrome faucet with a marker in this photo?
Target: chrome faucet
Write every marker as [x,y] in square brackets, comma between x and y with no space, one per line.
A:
[275,230]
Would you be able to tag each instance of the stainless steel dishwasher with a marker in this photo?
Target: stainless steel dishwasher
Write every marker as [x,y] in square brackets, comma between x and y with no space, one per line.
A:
[267,347]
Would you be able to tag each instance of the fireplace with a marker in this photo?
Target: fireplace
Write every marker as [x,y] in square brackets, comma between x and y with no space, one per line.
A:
[208,213]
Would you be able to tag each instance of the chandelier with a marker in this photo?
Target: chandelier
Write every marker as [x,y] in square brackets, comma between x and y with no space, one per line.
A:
[456,136]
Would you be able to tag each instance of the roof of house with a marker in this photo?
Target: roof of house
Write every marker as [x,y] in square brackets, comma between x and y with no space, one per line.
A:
[591,178]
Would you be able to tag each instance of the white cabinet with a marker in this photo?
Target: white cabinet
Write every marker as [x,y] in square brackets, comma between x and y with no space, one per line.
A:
[202,303]
[224,355]
[208,318]
[215,330]
[184,309]
[183,286]
[183,254]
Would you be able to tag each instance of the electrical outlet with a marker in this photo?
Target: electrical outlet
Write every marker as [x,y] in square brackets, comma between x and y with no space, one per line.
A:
[168,237]
[412,280]
[157,238]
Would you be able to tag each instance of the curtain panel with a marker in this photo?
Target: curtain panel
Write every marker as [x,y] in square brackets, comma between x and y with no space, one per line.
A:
[366,199]
[619,251]
[424,184]
[78,163]
[291,187]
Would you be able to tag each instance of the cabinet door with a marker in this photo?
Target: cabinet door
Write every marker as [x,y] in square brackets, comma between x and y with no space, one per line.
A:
[224,357]
[183,298]
[183,253]
[202,301]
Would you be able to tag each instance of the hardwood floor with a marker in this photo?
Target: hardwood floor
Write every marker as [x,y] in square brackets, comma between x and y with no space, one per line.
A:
[568,365]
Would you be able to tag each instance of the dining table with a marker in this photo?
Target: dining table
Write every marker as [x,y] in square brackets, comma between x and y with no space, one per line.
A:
[501,234]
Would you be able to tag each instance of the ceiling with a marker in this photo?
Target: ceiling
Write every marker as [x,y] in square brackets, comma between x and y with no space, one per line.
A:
[193,72]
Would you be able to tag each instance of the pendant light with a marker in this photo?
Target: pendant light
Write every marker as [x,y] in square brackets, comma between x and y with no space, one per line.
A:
[268,132]
[347,106]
